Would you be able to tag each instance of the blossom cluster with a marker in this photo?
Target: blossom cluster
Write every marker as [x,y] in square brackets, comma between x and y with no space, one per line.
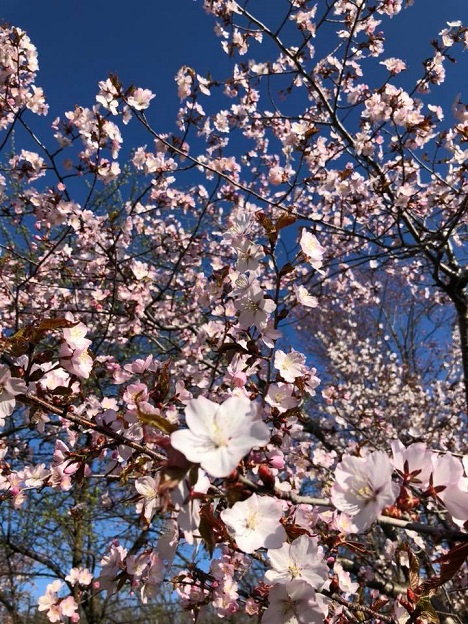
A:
[162,330]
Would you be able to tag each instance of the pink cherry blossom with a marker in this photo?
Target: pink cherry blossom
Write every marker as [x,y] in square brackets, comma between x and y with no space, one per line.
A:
[82,576]
[49,601]
[186,257]
[75,336]
[304,297]
[140,98]
[254,308]
[68,607]
[9,388]
[394,65]
[188,518]
[295,602]
[248,255]
[363,487]
[108,95]
[413,462]
[147,487]
[455,499]
[276,175]
[76,361]
[280,396]
[344,579]
[450,485]
[36,476]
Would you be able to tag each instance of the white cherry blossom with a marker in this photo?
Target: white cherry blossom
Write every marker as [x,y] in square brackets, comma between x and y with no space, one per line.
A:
[413,462]
[290,365]
[255,523]
[303,559]
[147,487]
[312,249]
[219,436]
[280,396]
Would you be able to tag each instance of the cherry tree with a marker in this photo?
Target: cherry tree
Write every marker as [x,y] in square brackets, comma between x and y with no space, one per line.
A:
[149,368]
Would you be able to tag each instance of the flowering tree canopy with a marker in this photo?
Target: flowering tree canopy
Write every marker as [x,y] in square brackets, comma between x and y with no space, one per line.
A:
[234,368]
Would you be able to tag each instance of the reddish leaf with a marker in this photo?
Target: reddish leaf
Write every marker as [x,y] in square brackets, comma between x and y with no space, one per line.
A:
[55,323]
[284,221]
[451,562]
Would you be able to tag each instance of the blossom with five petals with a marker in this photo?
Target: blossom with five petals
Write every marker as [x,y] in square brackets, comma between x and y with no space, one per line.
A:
[363,487]
[255,523]
[295,603]
[219,436]
[303,559]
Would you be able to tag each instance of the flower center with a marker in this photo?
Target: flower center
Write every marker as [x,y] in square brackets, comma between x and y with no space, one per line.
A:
[251,305]
[251,521]
[289,606]
[219,439]
[367,493]
[294,570]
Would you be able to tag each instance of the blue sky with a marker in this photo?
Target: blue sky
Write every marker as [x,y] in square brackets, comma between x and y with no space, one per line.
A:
[81,41]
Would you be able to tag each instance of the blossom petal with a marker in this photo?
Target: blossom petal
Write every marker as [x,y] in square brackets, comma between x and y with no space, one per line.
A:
[199,415]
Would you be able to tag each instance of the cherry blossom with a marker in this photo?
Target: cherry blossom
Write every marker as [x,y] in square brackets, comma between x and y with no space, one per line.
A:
[312,198]
[312,249]
[255,523]
[304,297]
[290,365]
[302,560]
[147,488]
[413,462]
[220,435]
[75,336]
[254,307]
[82,576]
[57,608]
[188,505]
[76,361]
[9,388]
[450,485]
[295,602]
[363,487]
[140,98]
[280,397]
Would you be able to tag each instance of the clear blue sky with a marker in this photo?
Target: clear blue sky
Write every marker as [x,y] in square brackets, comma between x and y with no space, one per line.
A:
[81,41]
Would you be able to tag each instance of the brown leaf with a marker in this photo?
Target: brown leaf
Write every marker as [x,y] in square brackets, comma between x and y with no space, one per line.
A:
[287,268]
[265,221]
[284,221]
[55,323]
[211,528]
[356,547]
[156,420]
[413,564]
